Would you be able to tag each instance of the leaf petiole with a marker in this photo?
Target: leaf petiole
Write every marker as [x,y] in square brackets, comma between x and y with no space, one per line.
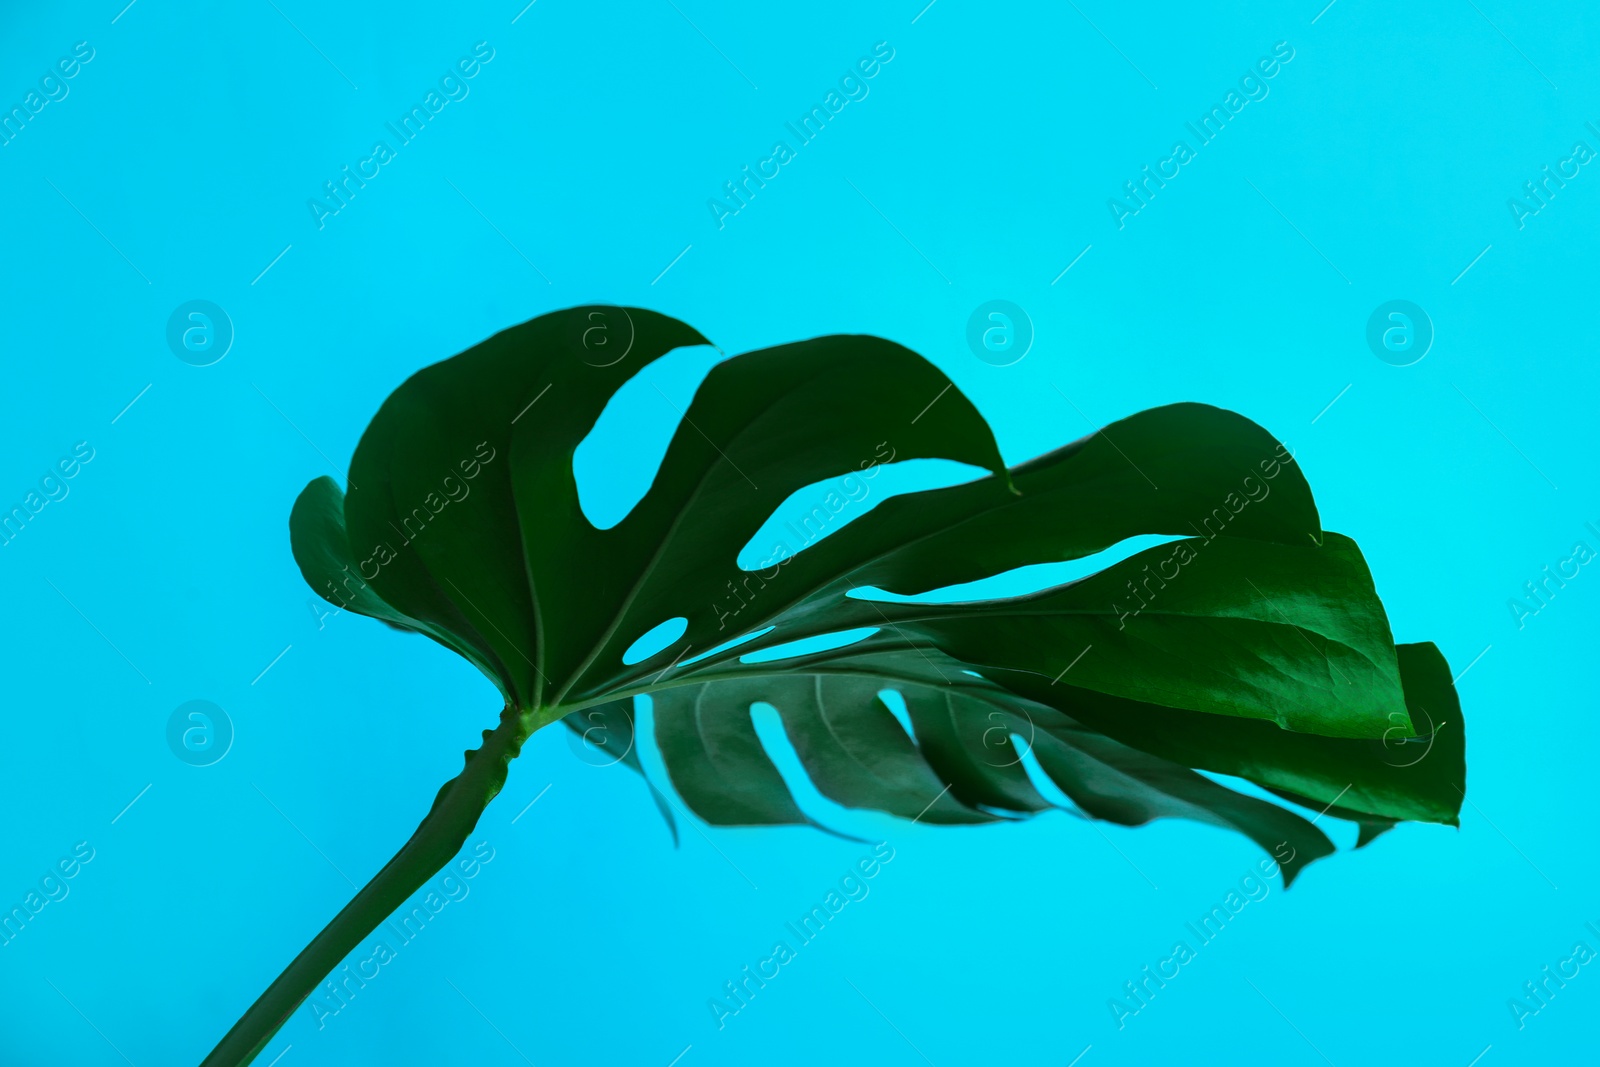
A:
[437,839]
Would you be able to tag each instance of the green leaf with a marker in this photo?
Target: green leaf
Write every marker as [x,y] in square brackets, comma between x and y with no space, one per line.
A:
[1408,773]
[1253,645]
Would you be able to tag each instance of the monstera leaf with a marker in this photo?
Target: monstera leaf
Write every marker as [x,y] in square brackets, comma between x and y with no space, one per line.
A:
[1253,646]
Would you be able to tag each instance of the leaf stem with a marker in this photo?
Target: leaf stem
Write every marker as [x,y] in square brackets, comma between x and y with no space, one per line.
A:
[436,841]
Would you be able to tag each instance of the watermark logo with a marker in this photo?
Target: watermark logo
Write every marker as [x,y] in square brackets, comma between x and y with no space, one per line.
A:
[53,88]
[1399,333]
[738,993]
[412,525]
[608,336]
[402,928]
[1536,597]
[50,889]
[52,487]
[600,744]
[1537,995]
[199,333]
[847,492]
[1140,192]
[1000,333]
[1408,749]
[338,193]
[199,733]
[740,192]
[1138,993]
[1536,195]
[998,740]
[1186,551]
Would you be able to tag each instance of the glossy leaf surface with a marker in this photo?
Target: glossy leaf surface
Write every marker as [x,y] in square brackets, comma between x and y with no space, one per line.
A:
[1253,644]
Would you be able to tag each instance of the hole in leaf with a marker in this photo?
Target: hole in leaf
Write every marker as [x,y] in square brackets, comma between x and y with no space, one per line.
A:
[655,639]
[751,636]
[768,725]
[616,463]
[809,645]
[896,704]
[1020,581]
[823,508]
[1040,780]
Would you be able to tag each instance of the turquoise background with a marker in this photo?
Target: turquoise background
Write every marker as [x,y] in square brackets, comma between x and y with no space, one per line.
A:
[577,169]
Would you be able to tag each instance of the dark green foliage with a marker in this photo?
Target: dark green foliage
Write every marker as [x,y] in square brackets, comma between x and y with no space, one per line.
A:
[1257,647]
[1254,646]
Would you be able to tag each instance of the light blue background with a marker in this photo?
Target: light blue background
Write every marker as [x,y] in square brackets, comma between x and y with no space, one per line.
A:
[990,145]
